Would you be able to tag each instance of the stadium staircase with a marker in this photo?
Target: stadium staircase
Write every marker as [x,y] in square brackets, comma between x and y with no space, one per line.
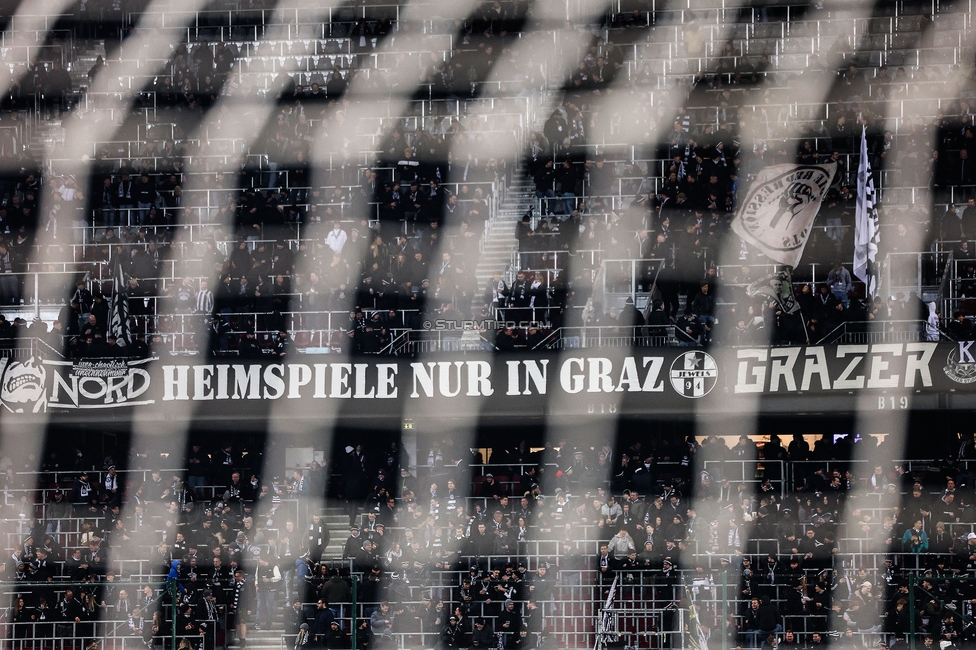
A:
[273,637]
[499,243]
[47,134]
[500,246]
[85,55]
[264,639]
[46,137]
[338,522]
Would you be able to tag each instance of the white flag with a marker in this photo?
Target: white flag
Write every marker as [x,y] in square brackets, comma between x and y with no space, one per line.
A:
[867,234]
[778,212]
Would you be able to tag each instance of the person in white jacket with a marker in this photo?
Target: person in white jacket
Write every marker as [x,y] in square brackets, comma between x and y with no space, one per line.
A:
[621,544]
[336,239]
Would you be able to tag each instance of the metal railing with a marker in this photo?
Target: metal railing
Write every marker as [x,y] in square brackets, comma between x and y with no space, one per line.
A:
[873,331]
[627,279]
[309,330]
[412,342]
[570,338]
[93,622]
[26,348]
[751,473]
[728,273]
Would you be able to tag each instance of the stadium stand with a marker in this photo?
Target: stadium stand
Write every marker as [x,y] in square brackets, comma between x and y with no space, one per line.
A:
[416,550]
[268,183]
[716,68]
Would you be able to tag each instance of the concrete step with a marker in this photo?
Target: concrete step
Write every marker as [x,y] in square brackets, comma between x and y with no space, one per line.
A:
[508,221]
[491,267]
[490,264]
[500,248]
[83,60]
[500,242]
[259,643]
[265,638]
[47,134]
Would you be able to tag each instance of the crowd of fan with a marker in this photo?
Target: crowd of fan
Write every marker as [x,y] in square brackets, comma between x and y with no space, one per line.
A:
[140,202]
[549,302]
[673,201]
[676,202]
[353,266]
[447,570]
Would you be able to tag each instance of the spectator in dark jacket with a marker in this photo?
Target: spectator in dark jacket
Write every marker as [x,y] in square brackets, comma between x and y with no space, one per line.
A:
[336,637]
[323,622]
[492,489]
[761,620]
[483,635]
[703,306]
[452,636]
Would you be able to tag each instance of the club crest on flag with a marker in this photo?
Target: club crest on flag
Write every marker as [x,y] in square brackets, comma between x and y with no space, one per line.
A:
[776,286]
[780,207]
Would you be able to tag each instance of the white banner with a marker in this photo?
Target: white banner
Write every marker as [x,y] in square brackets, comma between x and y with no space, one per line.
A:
[778,212]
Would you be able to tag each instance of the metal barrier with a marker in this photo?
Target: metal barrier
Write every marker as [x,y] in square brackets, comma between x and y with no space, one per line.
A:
[880,331]
[309,331]
[569,338]
[643,597]
[95,622]
[912,272]
[410,342]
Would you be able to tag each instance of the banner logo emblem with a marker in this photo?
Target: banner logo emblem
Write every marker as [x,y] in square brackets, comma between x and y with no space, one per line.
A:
[960,365]
[23,386]
[694,374]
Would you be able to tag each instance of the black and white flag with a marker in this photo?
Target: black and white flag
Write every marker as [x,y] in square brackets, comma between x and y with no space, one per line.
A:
[119,307]
[779,209]
[867,234]
[777,286]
